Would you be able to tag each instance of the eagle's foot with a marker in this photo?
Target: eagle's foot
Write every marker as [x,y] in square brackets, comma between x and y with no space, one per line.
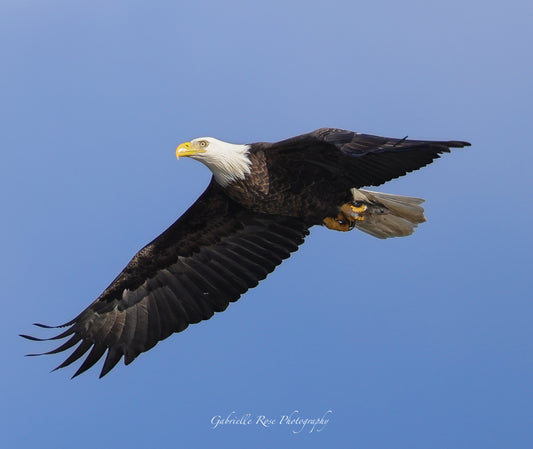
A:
[349,214]
[354,211]
[339,223]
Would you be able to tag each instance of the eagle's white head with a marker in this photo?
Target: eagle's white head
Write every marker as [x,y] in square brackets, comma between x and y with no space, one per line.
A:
[227,161]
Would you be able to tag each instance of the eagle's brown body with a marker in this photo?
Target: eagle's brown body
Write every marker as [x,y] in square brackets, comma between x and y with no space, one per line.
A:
[269,189]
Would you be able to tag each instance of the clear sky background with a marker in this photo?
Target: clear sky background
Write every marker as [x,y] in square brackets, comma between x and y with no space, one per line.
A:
[422,342]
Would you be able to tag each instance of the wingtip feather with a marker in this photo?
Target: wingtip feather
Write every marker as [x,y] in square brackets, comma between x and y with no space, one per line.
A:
[29,337]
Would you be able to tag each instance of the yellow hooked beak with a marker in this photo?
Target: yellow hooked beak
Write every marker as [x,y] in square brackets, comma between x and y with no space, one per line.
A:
[186,149]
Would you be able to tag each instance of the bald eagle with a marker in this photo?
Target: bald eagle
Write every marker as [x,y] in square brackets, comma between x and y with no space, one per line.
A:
[257,210]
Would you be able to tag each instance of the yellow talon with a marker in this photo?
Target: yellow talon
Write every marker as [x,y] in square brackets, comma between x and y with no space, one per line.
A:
[351,211]
[359,209]
[354,213]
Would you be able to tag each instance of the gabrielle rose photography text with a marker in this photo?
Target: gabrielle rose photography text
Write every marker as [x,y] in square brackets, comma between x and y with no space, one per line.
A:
[295,420]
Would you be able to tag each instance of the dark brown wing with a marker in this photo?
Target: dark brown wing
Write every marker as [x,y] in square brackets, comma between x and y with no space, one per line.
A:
[208,258]
[358,159]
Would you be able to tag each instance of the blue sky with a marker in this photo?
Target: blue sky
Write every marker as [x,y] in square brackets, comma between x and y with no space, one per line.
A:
[418,342]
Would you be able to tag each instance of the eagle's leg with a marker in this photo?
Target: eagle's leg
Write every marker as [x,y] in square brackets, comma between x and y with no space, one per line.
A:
[348,214]
[338,223]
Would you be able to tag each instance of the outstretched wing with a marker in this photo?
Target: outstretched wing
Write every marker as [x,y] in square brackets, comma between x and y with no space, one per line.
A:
[360,159]
[208,258]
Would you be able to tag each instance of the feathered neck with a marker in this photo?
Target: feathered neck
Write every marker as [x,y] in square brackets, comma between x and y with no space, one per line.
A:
[228,162]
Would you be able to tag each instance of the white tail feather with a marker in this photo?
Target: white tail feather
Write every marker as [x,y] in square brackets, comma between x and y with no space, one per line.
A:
[402,215]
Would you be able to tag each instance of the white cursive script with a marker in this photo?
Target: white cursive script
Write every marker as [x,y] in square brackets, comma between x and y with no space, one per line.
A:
[296,420]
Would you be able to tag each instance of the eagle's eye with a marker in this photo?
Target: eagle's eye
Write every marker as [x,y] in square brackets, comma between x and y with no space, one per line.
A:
[203,143]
